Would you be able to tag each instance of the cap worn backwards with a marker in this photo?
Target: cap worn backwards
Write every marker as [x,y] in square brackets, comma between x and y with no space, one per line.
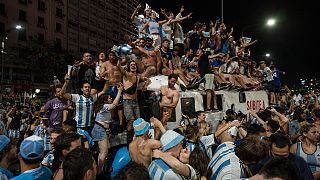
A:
[32,147]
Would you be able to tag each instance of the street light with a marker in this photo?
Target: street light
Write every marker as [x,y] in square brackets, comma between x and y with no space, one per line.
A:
[270,22]
[18,27]
[267,55]
[3,52]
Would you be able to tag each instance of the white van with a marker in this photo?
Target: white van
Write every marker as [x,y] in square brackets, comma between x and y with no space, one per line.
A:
[193,101]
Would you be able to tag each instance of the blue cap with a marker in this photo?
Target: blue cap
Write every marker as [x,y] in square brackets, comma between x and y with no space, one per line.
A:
[32,147]
[140,126]
[170,139]
[4,141]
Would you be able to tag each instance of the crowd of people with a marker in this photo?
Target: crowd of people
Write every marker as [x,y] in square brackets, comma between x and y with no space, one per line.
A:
[68,137]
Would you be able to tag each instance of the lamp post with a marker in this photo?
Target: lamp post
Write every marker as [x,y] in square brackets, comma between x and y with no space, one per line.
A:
[3,52]
[270,22]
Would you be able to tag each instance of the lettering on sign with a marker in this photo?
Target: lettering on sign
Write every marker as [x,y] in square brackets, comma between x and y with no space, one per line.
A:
[255,105]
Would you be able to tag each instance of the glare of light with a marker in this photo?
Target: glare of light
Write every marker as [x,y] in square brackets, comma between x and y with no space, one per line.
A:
[267,55]
[37,90]
[271,22]
[18,27]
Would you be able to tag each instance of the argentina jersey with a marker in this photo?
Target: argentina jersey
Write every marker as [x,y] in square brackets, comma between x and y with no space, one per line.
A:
[159,170]
[84,109]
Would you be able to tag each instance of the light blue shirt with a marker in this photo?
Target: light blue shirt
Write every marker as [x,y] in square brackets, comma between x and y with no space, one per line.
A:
[159,170]
[5,173]
[40,173]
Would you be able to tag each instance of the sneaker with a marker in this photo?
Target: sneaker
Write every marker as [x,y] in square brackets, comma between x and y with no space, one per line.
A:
[182,87]
[215,110]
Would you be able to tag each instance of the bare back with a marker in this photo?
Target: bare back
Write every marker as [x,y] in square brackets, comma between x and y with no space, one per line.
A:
[140,151]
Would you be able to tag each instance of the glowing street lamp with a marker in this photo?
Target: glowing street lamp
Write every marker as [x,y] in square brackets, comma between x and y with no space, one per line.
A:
[270,22]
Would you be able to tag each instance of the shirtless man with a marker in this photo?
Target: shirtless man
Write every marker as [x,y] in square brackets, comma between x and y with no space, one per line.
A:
[150,58]
[130,82]
[109,70]
[170,95]
[140,149]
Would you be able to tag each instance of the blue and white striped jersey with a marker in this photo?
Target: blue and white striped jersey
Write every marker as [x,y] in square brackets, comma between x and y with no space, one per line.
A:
[225,164]
[159,170]
[84,109]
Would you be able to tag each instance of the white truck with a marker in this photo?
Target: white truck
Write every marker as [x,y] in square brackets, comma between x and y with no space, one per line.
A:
[192,101]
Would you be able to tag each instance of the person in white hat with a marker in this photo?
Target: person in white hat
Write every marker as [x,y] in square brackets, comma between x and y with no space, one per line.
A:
[140,149]
[171,142]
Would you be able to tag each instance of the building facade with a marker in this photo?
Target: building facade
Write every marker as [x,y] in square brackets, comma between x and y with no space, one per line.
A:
[74,25]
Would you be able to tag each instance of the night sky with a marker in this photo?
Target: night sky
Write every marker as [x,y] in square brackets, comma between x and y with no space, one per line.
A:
[292,42]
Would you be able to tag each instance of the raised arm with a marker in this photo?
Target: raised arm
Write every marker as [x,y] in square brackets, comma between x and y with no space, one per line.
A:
[316,102]
[135,11]
[143,28]
[227,126]
[105,88]
[163,12]
[123,72]
[249,44]
[230,33]
[63,92]
[158,124]
[117,99]
[181,18]
[284,121]
[264,124]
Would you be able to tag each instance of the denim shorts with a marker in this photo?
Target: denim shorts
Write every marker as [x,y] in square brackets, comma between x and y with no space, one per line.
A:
[131,109]
[98,133]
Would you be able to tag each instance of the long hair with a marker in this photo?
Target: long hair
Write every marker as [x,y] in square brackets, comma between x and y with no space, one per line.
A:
[202,126]
[199,160]
[103,99]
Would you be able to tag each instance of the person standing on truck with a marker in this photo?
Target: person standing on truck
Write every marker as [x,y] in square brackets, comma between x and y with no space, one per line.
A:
[169,95]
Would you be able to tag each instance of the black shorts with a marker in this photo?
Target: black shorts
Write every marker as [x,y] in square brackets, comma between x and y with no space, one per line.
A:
[270,86]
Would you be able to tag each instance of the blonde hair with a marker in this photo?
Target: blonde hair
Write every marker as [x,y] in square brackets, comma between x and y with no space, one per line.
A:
[202,126]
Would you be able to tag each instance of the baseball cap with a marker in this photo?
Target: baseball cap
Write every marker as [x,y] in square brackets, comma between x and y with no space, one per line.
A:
[140,126]
[170,139]
[32,147]
[4,141]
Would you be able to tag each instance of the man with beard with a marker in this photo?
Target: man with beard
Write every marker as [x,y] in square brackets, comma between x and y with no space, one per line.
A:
[8,150]
[150,58]
[109,70]
[85,70]
[55,107]
[84,104]
[130,83]
[169,95]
